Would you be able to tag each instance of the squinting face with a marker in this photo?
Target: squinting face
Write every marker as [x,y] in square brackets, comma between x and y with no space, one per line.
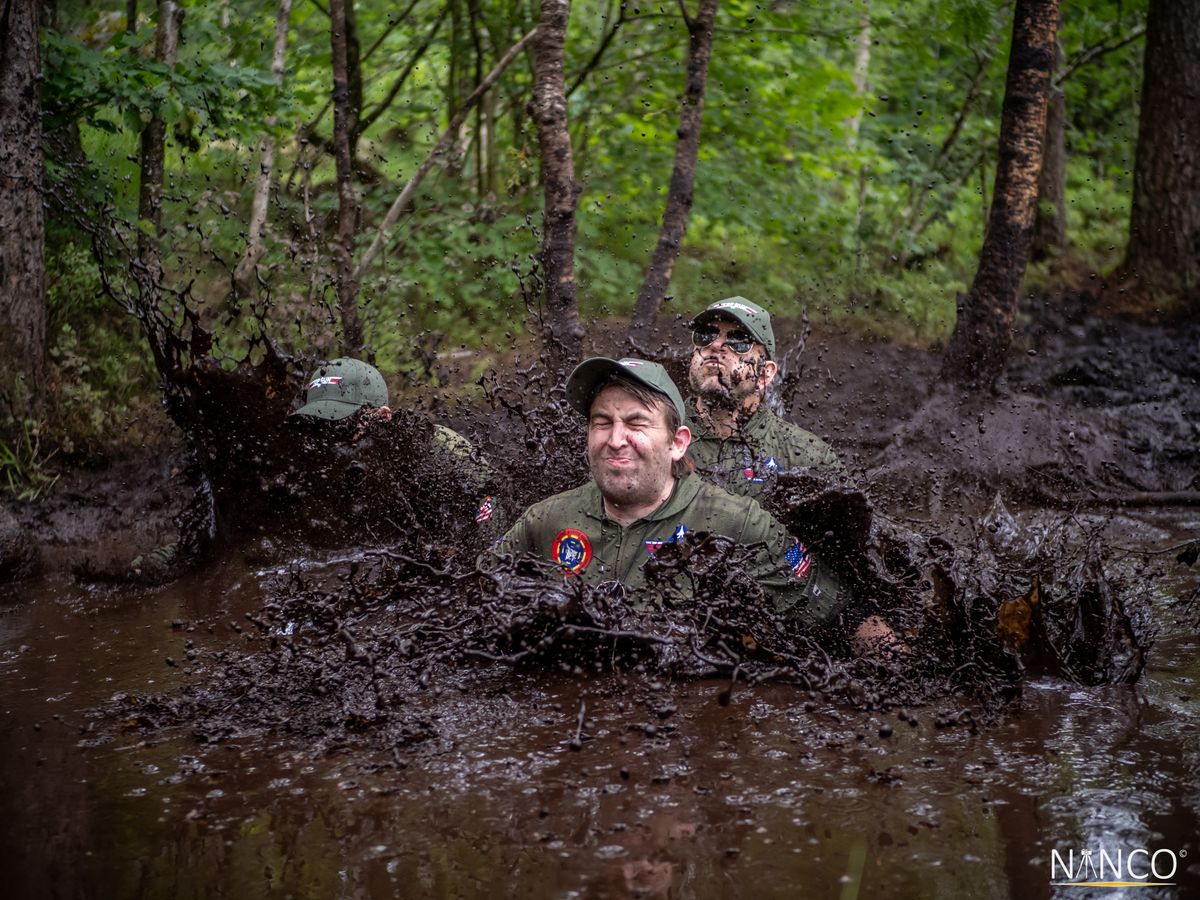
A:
[719,374]
[630,448]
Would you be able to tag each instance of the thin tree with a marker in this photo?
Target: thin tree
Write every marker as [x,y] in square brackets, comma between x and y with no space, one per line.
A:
[683,175]
[243,276]
[147,267]
[561,192]
[22,226]
[344,115]
[1164,226]
[983,331]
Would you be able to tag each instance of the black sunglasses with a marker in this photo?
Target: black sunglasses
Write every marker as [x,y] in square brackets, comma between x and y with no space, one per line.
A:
[737,341]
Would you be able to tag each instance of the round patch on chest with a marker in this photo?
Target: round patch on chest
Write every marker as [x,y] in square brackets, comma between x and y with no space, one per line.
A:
[572,550]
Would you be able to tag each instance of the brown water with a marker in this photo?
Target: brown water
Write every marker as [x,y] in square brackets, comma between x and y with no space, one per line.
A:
[762,797]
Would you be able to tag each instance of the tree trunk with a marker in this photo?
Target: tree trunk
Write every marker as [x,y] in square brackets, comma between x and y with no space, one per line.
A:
[22,224]
[683,176]
[354,85]
[983,332]
[558,183]
[148,272]
[344,116]
[1164,227]
[1050,225]
[243,277]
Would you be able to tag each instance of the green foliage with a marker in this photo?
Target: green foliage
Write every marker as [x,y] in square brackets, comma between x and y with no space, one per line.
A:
[812,194]
[24,466]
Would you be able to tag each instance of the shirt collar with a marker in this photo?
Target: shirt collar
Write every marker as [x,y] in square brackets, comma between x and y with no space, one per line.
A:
[682,494]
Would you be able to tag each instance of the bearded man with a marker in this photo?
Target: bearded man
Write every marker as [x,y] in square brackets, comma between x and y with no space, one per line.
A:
[737,441]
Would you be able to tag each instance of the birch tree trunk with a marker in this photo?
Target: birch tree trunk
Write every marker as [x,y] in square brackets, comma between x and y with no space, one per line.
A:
[343,127]
[683,175]
[561,193]
[982,334]
[22,224]
[243,276]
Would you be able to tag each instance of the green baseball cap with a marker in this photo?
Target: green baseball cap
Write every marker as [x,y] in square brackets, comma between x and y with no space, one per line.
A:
[753,318]
[581,386]
[341,387]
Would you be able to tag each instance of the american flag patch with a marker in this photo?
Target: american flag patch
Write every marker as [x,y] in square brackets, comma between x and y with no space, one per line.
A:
[797,557]
[484,513]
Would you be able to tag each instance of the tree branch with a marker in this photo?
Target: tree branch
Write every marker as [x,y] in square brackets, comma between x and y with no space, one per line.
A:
[444,142]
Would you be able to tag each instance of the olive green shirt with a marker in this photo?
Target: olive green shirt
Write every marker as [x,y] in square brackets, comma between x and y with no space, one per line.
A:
[745,462]
[490,517]
[572,530]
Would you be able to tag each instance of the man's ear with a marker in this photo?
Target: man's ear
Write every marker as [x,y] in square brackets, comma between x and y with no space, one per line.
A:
[767,370]
[679,443]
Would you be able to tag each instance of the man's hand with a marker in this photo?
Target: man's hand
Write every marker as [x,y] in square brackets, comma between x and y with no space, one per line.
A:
[370,415]
[875,638]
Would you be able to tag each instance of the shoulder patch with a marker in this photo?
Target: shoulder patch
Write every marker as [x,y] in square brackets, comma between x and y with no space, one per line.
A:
[798,559]
[572,549]
[485,511]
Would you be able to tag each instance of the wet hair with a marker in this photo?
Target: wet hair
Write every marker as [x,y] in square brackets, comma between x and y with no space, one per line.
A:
[651,398]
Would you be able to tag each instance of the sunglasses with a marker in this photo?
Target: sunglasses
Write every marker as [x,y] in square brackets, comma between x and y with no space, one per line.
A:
[737,341]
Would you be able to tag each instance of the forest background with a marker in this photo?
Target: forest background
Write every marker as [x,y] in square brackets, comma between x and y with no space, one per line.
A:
[845,166]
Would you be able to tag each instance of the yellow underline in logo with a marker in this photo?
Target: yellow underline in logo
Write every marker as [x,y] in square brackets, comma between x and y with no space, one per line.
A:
[1112,884]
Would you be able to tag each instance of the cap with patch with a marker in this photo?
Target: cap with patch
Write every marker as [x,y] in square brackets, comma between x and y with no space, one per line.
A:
[581,386]
[752,317]
[341,387]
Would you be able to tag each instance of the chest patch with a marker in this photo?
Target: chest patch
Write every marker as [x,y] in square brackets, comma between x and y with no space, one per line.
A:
[653,546]
[798,559]
[572,549]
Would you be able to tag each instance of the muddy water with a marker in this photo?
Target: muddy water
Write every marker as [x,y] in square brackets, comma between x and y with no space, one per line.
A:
[670,794]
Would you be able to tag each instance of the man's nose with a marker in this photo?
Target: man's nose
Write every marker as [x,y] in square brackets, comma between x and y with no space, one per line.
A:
[618,435]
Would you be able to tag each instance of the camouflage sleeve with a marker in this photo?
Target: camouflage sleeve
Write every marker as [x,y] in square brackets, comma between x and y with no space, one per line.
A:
[789,573]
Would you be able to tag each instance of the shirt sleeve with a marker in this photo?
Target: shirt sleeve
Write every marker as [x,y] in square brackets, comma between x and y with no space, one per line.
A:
[789,573]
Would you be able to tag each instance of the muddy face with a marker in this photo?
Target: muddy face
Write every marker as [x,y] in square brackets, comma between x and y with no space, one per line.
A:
[723,377]
[631,448]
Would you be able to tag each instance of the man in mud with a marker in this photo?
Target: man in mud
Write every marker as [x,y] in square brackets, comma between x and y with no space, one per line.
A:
[343,387]
[736,440]
[643,495]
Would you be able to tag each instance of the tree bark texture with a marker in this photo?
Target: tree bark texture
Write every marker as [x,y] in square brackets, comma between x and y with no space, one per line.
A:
[148,268]
[1164,228]
[243,276]
[683,175]
[343,126]
[22,223]
[983,331]
[561,193]
[1050,224]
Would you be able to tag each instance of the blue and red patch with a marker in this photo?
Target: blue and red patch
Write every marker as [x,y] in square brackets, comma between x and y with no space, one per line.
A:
[653,546]
[798,559]
[572,549]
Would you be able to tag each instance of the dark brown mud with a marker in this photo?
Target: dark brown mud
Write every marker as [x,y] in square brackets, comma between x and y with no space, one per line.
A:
[533,781]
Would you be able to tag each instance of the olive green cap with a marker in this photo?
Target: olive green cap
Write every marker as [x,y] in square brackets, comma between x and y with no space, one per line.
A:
[581,386]
[341,387]
[753,318]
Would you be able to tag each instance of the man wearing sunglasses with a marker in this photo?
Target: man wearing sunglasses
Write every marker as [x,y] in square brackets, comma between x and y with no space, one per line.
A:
[736,440]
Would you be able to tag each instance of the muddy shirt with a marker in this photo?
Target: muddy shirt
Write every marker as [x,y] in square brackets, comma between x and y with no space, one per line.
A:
[572,530]
[478,473]
[746,462]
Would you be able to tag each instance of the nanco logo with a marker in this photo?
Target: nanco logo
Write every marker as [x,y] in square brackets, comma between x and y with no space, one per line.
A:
[1100,868]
